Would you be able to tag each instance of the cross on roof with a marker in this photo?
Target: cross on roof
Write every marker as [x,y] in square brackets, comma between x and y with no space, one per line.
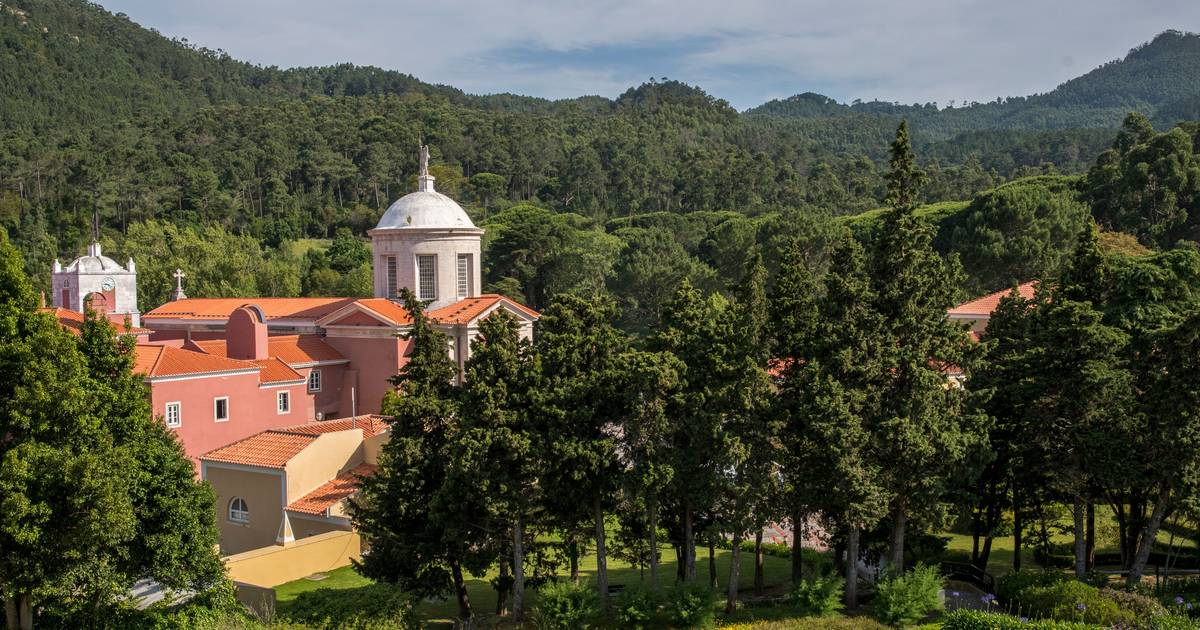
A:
[178,275]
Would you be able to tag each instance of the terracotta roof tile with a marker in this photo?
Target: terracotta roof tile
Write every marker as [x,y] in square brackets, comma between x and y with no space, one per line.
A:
[982,307]
[370,424]
[465,311]
[388,309]
[276,371]
[73,321]
[273,448]
[332,492]
[269,449]
[159,361]
[292,349]
[272,308]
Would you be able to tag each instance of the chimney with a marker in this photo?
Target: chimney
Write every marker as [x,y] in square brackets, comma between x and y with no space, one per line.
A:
[246,334]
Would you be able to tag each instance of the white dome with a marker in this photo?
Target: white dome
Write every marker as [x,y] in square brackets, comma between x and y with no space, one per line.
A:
[94,264]
[425,209]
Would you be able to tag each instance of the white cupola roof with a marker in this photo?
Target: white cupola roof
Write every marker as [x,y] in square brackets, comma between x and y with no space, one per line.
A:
[94,262]
[426,208]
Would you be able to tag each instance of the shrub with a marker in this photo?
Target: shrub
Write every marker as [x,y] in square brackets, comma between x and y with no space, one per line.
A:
[979,620]
[566,606]
[1074,601]
[907,597]
[636,607]
[1142,606]
[820,596]
[364,608]
[1173,621]
[1009,587]
[690,605]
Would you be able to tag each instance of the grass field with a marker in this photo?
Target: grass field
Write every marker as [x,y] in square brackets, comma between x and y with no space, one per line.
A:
[776,573]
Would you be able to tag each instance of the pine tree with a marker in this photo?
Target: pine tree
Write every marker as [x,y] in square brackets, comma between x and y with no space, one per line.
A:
[925,429]
[498,451]
[578,348]
[418,526]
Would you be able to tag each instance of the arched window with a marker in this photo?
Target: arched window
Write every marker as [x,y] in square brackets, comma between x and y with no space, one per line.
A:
[239,512]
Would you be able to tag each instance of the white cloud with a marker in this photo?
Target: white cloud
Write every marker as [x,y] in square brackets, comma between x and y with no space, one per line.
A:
[745,52]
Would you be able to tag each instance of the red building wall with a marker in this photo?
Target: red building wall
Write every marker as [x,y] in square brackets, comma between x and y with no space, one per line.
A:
[251,409]
[375,360]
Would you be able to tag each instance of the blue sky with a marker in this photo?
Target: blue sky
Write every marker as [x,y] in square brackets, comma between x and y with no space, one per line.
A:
[744,51]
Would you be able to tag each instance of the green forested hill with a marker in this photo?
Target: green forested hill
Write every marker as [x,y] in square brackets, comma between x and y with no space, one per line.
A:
[1158,79]
[186,153]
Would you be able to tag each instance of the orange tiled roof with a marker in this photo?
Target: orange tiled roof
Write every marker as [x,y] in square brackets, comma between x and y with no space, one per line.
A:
[272,307]
[332,492]
[982,307]
[467,310]
[276,371]
[73,321]
[157,361]
[387,309]
[292,349]
[269,449]
[273,448]
[371,425]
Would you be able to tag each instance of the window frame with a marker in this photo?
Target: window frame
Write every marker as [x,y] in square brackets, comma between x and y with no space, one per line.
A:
[317,373]
[243,517]
[390,275]
[283,402]
[217,405]
[432,259]
[178,414]
[463,269]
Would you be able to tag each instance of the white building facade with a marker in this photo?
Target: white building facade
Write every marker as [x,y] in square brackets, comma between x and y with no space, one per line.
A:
[113,288]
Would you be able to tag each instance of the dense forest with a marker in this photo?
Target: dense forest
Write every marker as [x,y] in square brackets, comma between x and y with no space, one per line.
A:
[191,158]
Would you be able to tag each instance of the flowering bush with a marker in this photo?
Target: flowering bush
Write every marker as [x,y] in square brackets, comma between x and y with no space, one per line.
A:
[979,620]
[1074,601]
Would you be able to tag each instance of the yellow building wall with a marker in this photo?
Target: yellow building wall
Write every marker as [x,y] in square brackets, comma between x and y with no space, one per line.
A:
[328,455]
[305,528]
[262,492]
[371,447]
[278,564]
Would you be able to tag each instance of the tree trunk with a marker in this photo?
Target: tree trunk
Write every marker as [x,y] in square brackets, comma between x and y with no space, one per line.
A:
[1017,539]
[680,564]
[25,611]
[1146,544]
[852,568]
[797,546]
[652,520]
[601,560]
[503,589]
[734,559]
[1090,538]
[899,522]
[712,562]
[758,563]
[1080,543]
[11,617]
[460,591]
[518,589]
[573,552]
[986,553]
[689,544]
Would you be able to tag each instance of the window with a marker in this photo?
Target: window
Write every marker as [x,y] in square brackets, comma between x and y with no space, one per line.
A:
[221,409]
[390,262]
[314,380]
[174,415]
[426,277]
[239,512]
[283,402]
[464,275]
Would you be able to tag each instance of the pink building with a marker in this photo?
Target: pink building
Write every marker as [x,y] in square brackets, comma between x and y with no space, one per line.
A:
[223,369]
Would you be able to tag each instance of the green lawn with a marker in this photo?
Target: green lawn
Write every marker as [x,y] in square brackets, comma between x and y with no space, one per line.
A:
[776,572]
